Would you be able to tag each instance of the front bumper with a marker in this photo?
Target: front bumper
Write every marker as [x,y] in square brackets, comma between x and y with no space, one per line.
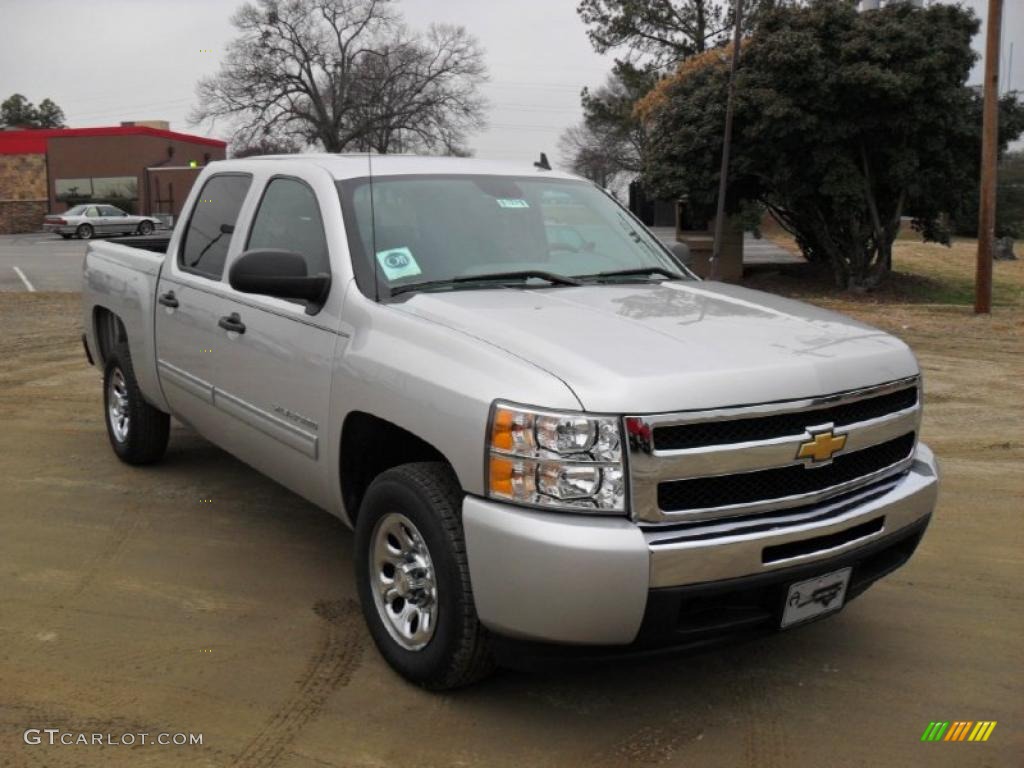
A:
[579,580]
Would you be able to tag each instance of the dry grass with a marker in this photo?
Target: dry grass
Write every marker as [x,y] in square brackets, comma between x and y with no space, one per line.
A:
[928,299]
[923,273]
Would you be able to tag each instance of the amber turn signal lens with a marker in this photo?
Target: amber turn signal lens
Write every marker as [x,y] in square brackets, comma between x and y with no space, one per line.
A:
[501,476]
[501,430]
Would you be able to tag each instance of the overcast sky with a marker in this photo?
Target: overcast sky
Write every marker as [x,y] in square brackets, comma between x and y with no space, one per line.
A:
[104,61]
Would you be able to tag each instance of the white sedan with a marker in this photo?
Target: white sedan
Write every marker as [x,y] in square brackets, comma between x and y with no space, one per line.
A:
[87,221]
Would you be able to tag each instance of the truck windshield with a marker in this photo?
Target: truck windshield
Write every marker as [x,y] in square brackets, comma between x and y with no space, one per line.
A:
[441,232]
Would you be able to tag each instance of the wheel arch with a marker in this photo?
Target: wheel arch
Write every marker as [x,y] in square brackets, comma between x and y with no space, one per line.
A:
[369,446]
[108,330]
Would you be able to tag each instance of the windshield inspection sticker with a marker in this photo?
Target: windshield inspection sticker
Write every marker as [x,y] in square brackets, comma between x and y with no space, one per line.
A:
[398,263]
[507,202]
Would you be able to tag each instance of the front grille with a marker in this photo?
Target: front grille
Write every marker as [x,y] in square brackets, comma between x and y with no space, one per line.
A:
[780,482]
[680,436]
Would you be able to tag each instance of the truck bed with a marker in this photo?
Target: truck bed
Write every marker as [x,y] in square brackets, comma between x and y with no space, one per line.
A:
[120,276]
[154,243]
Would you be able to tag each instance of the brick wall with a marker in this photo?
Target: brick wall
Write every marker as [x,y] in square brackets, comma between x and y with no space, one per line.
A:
[23,193]
[21,216]
[22,177]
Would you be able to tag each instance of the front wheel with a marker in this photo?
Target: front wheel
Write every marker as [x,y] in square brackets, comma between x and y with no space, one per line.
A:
[138,432]
[413,578]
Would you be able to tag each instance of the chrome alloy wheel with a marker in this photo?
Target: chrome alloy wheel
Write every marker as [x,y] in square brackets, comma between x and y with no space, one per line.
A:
[402,580]
[117,405]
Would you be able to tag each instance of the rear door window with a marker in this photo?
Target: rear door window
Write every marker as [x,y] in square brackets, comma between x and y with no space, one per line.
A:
[207,237]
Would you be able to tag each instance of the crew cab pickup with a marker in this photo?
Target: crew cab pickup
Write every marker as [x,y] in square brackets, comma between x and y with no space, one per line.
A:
[547,434]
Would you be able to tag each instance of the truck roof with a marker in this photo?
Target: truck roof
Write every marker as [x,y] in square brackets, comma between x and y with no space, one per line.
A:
[349,166]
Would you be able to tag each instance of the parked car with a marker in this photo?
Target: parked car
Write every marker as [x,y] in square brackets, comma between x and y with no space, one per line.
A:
[541,449]
[87,221]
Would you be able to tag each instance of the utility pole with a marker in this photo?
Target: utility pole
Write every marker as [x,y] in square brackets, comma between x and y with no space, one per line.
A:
[989,161]
[716,250]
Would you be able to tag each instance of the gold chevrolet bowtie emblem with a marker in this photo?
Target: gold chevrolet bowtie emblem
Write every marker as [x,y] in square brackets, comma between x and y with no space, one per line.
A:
[822,446]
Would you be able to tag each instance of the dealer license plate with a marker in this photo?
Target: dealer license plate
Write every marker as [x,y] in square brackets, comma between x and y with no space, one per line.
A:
[815,597]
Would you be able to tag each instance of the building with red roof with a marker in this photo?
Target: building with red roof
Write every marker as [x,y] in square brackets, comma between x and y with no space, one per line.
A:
[141,167]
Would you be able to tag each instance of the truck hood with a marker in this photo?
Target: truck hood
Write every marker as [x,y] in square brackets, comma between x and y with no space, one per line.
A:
[658,347]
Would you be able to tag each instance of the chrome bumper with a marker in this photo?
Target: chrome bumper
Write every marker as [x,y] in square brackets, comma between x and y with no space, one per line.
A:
[585,580]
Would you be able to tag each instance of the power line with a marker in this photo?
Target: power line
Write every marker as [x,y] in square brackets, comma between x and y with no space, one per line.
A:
[131,107]
[95,97]
[516,127]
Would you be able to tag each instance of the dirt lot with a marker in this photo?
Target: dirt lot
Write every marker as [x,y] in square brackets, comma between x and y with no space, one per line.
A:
[196,596]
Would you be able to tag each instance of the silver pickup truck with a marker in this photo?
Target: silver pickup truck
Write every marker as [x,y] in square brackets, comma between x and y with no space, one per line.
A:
[548,436]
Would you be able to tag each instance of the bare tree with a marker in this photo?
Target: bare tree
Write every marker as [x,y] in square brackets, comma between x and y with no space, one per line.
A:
[267,145]
[610,141]
[419,93]
[591,154]
[344,75]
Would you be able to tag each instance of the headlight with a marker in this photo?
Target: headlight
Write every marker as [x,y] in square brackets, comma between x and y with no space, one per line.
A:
[555,459]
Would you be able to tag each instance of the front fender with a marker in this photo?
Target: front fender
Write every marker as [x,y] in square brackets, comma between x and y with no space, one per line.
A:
[433,381]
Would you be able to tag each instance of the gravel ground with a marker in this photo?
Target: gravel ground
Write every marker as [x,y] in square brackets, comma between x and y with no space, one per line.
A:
[197,596]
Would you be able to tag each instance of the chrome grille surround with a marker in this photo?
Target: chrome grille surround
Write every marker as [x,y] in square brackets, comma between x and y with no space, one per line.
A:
[649,467]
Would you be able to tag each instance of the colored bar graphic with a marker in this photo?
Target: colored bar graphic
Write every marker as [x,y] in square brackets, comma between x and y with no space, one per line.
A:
[983,730]
[934,731]
[958,730]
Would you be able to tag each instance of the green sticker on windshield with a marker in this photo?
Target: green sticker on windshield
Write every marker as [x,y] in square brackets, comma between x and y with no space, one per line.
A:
[508,202]
[398,263]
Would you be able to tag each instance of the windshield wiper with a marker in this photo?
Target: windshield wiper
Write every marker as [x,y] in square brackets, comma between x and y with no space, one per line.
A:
[497,277]
[639,272]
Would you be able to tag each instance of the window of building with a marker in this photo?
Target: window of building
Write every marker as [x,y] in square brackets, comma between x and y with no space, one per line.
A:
[114,187]
[207,238]
[123,190]
[288,219]
[73,189]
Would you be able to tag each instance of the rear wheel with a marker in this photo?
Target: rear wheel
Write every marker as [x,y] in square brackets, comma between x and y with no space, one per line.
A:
[138,432]
[84,231]
[413,578]
[145,228]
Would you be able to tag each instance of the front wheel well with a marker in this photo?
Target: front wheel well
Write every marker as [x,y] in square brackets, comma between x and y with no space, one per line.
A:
[370,445]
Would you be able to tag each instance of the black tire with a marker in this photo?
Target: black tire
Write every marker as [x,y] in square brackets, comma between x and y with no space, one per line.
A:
[428,494]
[84,231]
[147,429]
[145,228]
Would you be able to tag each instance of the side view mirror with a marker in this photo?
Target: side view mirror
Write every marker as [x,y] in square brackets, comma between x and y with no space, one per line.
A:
[281,274]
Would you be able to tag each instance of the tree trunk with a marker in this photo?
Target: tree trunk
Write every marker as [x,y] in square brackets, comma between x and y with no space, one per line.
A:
[700,38]
[872,265]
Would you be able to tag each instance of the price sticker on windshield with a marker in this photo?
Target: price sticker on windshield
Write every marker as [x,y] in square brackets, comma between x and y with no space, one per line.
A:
[398,263]
[508,202]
